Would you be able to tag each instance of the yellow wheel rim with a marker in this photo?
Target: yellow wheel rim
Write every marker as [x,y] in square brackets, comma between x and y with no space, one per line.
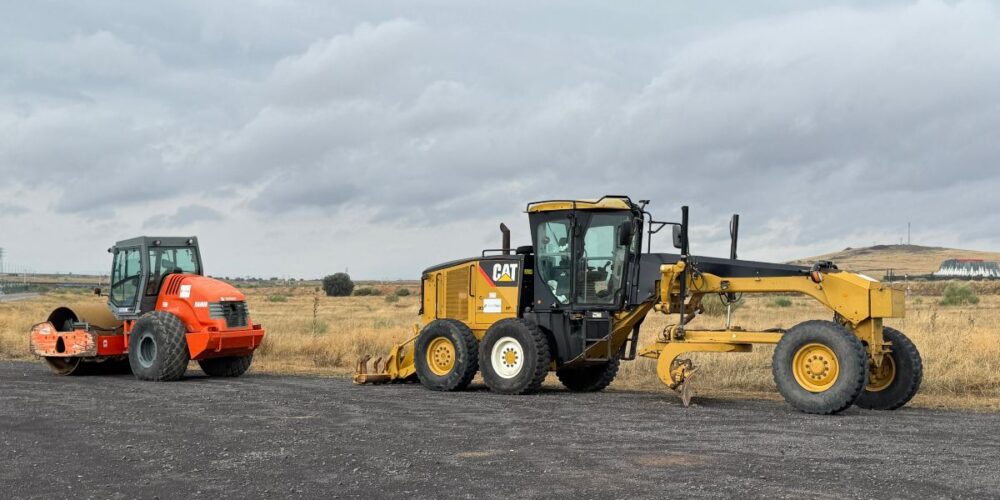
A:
[881,377]
[815,367]
[441,356]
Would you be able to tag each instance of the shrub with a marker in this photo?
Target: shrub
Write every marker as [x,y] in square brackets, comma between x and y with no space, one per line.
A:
[277,298]
[403,292]
[338,285]
[959,294]
[367,291]
[391,298]
[713,306]
[780,302]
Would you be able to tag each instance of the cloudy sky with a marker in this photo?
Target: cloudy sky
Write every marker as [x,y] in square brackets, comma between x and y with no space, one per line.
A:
[302,138]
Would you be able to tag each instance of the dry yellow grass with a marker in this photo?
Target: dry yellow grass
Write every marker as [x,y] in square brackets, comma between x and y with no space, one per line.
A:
[960,345]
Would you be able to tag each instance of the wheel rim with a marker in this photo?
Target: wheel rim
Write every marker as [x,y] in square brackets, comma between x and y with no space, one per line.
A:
[815,367]
[879,378]
[441,356]
[507,357]
[147,351]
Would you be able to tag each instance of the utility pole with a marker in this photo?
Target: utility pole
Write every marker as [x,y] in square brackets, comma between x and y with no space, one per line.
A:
[907,233]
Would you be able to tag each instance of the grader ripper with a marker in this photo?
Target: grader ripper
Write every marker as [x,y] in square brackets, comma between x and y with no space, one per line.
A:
[573,302]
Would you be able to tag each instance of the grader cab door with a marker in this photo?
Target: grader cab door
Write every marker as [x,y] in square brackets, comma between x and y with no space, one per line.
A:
[581,261]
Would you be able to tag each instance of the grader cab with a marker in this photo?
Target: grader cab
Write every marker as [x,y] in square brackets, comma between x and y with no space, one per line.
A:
[574,301]
[161,313]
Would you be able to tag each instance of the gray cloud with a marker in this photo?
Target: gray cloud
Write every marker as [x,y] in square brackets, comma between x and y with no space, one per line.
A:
[825,126]
[183,217]
[12,209]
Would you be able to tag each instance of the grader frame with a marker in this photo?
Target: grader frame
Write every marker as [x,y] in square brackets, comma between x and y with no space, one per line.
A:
[548,314]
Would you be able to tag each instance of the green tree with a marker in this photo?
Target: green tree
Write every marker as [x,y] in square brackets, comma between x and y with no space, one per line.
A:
[338,285]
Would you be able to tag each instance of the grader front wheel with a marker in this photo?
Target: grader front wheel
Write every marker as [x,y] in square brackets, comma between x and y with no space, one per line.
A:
[820,367]
[893,384]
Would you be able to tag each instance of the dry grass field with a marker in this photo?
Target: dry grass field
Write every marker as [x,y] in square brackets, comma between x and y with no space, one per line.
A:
[310,333]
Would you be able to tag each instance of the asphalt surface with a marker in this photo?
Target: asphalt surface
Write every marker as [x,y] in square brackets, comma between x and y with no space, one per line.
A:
[14,297]
[282,436]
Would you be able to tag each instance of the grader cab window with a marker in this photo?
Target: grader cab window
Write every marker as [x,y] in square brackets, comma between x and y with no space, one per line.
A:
[602,260]
[553,257]
[125,277]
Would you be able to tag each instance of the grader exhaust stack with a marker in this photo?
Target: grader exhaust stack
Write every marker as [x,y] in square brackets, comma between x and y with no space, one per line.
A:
[573,302]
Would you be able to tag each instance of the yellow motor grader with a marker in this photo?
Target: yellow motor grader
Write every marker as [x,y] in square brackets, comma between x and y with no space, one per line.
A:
[573,302]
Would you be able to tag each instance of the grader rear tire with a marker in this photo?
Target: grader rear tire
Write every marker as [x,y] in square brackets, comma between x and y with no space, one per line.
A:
[820,367]
[515,357]
[592,378]
[895,383]
[232,366]
[157,347]
[446,356]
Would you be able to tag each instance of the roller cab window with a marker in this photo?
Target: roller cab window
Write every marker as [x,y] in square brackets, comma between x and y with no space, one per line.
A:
[126,277]
[169,260]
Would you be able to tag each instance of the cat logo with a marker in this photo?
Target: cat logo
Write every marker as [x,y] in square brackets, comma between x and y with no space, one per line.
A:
[500,273]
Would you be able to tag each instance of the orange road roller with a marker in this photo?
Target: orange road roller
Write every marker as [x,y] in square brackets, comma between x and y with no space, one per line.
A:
[161,313]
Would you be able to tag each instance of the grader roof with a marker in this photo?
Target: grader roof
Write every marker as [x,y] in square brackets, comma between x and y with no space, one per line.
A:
[604,203]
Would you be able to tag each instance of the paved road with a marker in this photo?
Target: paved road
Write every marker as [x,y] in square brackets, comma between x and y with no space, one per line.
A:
[14,297]
[278,437]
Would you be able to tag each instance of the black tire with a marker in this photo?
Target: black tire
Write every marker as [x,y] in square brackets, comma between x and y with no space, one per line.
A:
[464,349]
[522,339]
[909,372]
[232,366]
[157,347]
[591,378]
[836,390]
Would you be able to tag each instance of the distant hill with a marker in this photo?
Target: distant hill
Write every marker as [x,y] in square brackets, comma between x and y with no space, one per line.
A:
[903,259]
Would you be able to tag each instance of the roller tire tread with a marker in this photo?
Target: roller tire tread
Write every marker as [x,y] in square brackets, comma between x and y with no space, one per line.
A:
[171,347]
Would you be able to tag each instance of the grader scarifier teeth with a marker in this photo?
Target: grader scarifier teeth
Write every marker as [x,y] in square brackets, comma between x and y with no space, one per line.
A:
[372,371]
[682,372]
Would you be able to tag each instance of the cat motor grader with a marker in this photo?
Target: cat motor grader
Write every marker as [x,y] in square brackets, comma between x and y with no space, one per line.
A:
[161,313]
[573,302]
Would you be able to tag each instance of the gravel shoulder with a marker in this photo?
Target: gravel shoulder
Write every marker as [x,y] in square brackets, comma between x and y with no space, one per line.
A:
[289,436]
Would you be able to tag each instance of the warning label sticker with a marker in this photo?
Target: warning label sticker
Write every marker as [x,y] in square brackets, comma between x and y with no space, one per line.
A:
[492,306]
